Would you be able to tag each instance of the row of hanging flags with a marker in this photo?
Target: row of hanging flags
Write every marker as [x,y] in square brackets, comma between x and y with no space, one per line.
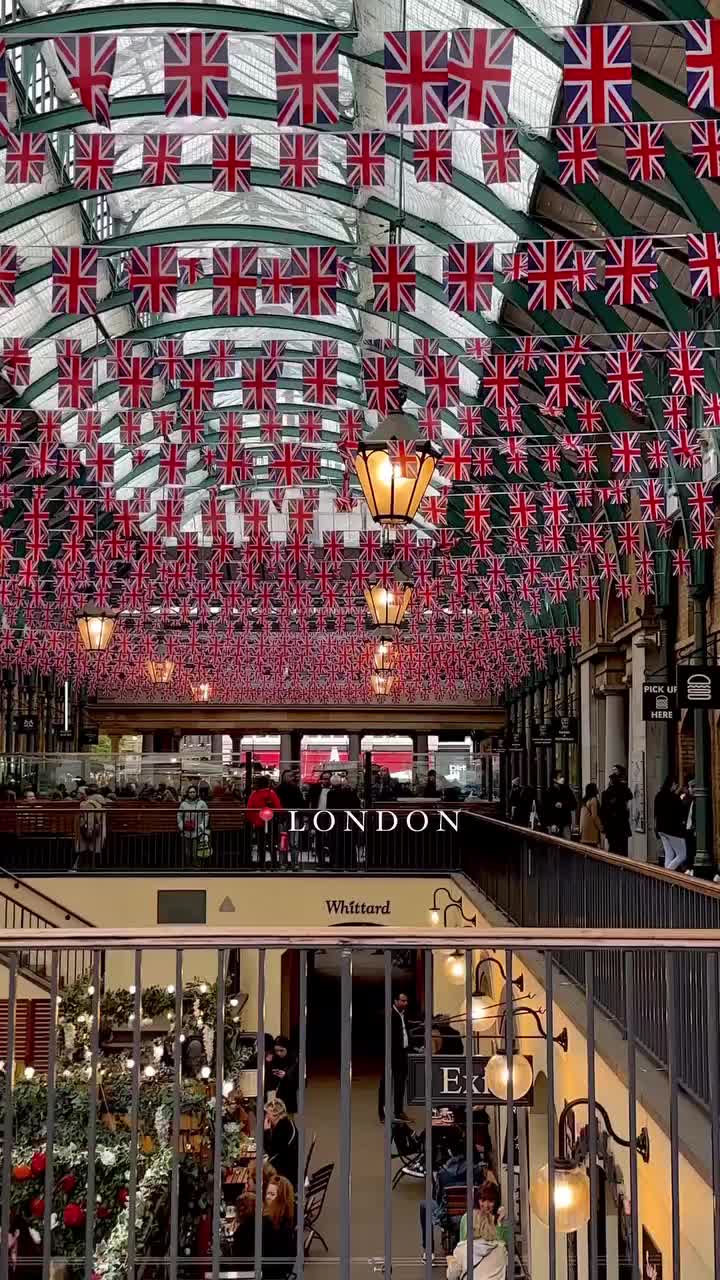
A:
[299,156]
[429,75]
[554,272]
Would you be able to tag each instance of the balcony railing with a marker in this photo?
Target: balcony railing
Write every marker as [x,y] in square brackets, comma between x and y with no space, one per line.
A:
[133,1150]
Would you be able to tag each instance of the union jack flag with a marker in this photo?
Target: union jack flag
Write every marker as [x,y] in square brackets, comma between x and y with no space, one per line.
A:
[259,385]
[320,386]
[702,61]
[704,264]
[645,152]
[222,360]
[550,274]
[197,75]
[152,278]
[275,281]
[135,383]
[563,381]
[15,354]
[74,281]
[685,370]
[500,382]
[8,274]
[382,383]
[235,281]
[25,157]
[469,276]
[442,382]
[314,281]
[705,149]
[88,63]
[290,462]
[500,156]
[630,270]
[597,74]
[365,156]
[585,271]
[197,385]
[299,160]
[416,77]
[432,156]
[171,357]
[94,161]
[232,154]
[162,156]
[5,130]
[625,378]
[75,381]
[479,73]
[393,273]
[274,349]
[307,79]
[577,155]
[514,267]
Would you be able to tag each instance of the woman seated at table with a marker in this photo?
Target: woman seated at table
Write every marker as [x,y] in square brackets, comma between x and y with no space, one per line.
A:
[279,1238]
[281,1140]
[489,1251]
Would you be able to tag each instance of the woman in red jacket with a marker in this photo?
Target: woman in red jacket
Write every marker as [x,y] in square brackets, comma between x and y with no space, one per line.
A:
[262,805]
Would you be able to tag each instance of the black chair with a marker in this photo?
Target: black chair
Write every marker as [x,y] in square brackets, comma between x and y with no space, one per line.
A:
[409,1150]
[309,1156]
[315,1194]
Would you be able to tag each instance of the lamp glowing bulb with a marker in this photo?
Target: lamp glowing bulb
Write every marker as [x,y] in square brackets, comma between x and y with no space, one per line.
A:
[434,915]
[455,966]
[205,1073]
[170,989]
[149,1071]
[29,1073]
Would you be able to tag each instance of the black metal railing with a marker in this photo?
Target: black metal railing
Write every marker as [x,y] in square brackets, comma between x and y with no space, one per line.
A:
[131,1148]
[35,960]
[538,881]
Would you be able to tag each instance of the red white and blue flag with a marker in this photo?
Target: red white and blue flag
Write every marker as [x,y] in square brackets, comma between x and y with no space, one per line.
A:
[319,386]
[197,74]
[577,153]
[704,264]
[152,278]
[307,79]
[469,276]
[702,61]
[314,278]
[432,155]
[135,382]
[94,161]
[232,154]
[393,274]
[5,130]
[416,77]
[501,382]
[705,148]
[25,157]
[235,281]
[597,74]
[550,274]
[259,385]
[74,281]
[479,74]
[630,270]
[442,382]
[500,156]
[161,160]
[89,62]
[382,383]
[625,378]
[365,157]
[645,152]
[8,275]
[275,281]
[75,381]
[299,160]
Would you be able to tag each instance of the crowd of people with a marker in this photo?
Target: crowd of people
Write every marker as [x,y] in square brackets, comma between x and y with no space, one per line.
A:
[602,819]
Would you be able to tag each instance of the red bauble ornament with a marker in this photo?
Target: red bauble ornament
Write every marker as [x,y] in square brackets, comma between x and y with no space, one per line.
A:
[38,1163]
[67,1183]
[123,1196]
[266,814]
[22,1172]
[73,1215]
[37,1207]
[102,1212]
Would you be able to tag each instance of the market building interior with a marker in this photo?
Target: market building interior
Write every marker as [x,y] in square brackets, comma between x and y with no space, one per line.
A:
[359,631]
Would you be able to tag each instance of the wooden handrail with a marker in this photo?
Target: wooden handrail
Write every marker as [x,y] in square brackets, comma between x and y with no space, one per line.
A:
[19,882]
[676,878]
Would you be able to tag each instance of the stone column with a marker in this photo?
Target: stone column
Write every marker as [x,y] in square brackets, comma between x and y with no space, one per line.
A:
[216,747]
[615,741]
[236,739]
[285,751]
[148,743]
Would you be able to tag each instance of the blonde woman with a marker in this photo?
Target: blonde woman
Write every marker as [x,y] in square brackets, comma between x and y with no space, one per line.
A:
[281,1144]
[489,1252]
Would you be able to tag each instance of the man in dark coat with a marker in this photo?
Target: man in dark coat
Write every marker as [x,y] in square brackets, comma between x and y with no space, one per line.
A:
[559,805]
[614,813]
[399,1045]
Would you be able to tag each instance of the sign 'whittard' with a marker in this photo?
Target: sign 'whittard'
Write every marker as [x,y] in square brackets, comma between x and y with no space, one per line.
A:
[382,820]
[449,1081]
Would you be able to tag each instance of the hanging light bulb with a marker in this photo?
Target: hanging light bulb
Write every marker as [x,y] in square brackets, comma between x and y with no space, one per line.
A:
[455,967]
[394,489]
[95,629]
[570,1196]
[388,605]
[201,692]
[159,670]
[484,1015]
[497,1076]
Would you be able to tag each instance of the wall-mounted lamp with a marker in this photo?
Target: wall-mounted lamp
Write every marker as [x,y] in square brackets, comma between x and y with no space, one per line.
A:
[570,1183]
[434,912]
[483,1002]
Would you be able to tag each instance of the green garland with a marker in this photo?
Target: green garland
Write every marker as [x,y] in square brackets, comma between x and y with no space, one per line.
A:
[152,1192]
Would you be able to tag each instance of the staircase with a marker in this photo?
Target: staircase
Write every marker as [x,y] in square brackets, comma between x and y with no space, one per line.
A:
[22,906]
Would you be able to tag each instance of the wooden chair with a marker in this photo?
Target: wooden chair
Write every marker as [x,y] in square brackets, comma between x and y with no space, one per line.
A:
[455,1207]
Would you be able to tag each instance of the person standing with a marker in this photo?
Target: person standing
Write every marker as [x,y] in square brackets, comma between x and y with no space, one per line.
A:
[614,811]
[690,830]
[520,803]
[289,793]
[670,819]
[558,807]
[590,825]
[193,824]
[263,801]
[399,1046]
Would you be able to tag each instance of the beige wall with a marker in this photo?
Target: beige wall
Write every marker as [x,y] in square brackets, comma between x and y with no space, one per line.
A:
[282,900]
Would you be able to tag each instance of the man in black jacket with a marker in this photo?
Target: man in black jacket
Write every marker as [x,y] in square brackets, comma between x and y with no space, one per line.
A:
[399,1045]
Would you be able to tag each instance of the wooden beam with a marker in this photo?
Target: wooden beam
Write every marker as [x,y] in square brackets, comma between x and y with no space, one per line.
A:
[113,717]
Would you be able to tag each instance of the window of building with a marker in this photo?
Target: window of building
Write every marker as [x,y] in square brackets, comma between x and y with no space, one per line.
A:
[181,906]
